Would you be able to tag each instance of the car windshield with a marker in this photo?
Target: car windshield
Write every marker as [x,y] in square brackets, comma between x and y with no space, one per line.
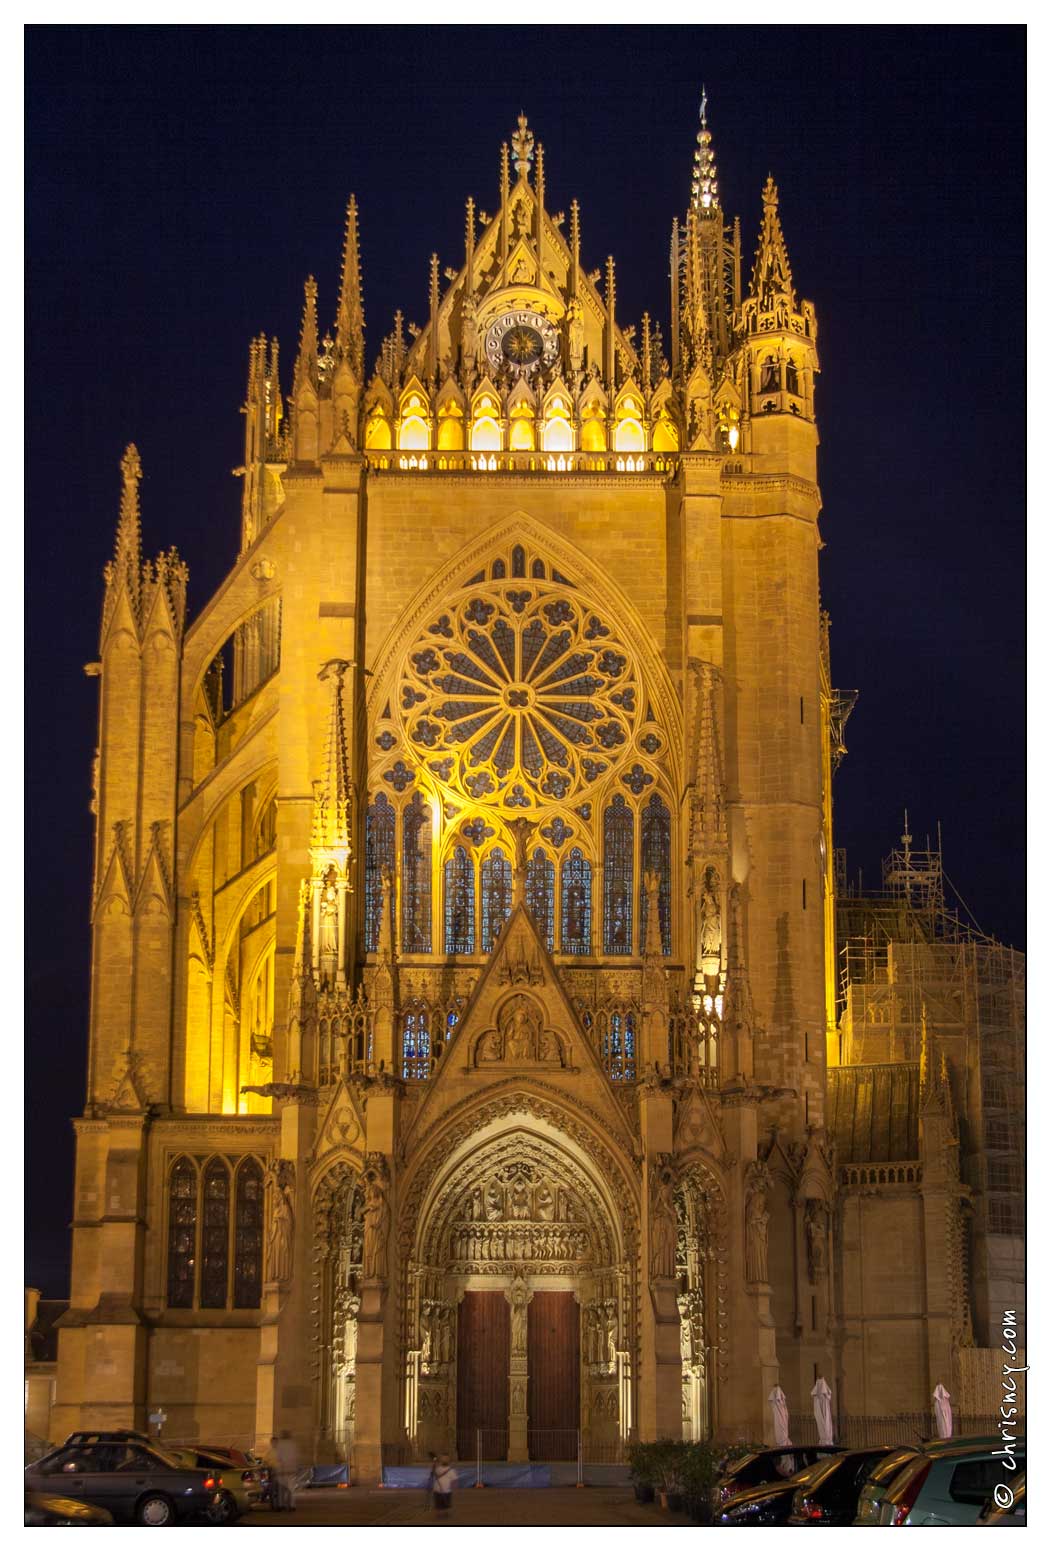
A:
[886,1468]
[812,1474]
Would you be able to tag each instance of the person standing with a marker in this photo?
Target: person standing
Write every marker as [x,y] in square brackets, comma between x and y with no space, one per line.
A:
[443,1479]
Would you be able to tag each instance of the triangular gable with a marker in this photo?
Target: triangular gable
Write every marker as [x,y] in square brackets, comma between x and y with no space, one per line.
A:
[342,1126]
[697,1125]
[519,1022]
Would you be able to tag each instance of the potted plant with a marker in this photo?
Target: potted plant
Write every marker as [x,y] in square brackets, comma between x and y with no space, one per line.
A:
[642,1467]
[699,1472]
[669,1463]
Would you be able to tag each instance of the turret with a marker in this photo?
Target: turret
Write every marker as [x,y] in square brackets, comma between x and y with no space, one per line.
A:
[781,334]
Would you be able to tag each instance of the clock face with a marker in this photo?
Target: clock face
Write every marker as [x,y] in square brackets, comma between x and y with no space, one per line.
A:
[522,341]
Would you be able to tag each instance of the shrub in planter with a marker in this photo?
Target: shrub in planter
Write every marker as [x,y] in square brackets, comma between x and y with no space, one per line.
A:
[642,1464]
[699,1471]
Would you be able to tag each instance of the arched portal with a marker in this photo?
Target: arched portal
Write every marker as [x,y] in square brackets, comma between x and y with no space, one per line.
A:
[519,1305]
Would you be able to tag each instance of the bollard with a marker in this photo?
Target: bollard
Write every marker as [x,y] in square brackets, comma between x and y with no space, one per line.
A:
[478,1473]
[580,1458]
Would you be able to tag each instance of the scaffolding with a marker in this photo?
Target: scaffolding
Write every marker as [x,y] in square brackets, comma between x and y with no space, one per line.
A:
[911,966]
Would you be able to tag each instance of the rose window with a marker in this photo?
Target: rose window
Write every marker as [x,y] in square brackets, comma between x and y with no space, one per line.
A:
[519,696]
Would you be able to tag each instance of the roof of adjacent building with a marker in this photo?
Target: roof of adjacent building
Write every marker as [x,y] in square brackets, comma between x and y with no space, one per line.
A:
[873,1112]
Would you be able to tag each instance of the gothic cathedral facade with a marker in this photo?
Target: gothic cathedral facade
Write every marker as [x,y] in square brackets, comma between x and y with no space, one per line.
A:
[462,916]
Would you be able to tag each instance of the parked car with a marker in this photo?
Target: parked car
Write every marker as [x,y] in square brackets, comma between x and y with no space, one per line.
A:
[1012,1513]
[947,1481]
[828,1492]
[870,1498]
[47,1508]
[131,1479]
[765,1467]
[239,1490]
[244,1460]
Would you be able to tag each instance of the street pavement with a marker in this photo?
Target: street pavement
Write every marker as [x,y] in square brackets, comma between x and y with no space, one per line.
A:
[492,1506]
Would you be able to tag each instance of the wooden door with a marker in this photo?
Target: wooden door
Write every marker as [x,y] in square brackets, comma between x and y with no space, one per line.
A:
[483,1360]
[554,1375]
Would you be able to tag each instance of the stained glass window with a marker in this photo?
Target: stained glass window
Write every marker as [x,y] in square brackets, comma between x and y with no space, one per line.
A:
[540,895]
[379,854]
[576,903]
[618,1046]
[416,1044]
[496,895]
[656,857]
[215,1235]
[182,1234]
[459,902]
[619,834]
[416,876]
[248,1236]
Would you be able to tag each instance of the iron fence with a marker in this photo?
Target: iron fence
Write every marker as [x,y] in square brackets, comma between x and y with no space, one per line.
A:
[905,1427]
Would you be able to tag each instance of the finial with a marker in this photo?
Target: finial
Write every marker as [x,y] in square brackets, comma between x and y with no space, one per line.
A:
[131,473]
[705,190]
[522,142]
[306,361]
[350,321]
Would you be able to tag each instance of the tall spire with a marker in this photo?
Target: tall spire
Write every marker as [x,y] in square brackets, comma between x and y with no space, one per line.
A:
[306,360]
[771,274]
[350,320]
[705,191]
[124,571]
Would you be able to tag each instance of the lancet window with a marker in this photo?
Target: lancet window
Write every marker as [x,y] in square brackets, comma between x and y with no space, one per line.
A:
[459,902]
[576,903]
[215,1235]
[496,895]
[248,1236]
[416,876]
[656,858]
[416,1043]
[618,869]
[540,895]
[379,856]
[206,1239]
[617,1044]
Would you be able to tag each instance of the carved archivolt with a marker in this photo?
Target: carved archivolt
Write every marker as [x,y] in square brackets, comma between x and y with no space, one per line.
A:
[520,1201]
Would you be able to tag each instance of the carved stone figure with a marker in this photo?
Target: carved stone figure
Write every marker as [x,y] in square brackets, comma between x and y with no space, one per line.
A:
[494,1202]
[710,919]
[519,1301]
[757,1226]
[662,1221]
[575,333]
[543,1202]
[377,1216]
[328,928]
[282,1228]
[816,1239]
[609,1332]
[520,1037]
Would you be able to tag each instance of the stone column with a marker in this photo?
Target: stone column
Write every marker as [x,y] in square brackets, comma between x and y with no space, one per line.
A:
[518,1296]
[376,1419]
[752,1366]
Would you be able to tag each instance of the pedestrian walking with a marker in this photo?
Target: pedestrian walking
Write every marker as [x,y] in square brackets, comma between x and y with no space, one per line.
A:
[284,1459]
[443,1479]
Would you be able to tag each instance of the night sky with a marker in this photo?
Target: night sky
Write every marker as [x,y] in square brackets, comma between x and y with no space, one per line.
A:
[182,183]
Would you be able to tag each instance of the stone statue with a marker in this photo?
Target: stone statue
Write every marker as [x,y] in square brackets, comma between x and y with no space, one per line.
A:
[544,1203]
[427,1334]
[282,1229]
[520,1038]
[494,1202]
[575,334]
[328,929]
[592,1339]
[711,932]
[757,1227]
[816,1240]
[609,1332]
[519,1300]
[377,1217]
[662,1222]
[520,1200]
[469,329]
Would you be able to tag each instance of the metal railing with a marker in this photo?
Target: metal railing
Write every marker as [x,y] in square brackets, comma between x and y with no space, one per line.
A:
[905,1427]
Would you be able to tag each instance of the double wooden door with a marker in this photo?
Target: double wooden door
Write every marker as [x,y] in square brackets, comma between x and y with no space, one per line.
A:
[483,1365]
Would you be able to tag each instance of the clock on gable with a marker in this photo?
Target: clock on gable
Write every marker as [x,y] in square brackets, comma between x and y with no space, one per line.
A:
[522,341]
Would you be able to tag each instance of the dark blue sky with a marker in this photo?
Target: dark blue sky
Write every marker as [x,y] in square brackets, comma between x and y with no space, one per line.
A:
[183,182]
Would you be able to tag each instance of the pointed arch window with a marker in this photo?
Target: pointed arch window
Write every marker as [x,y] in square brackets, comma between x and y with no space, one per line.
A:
[416,1044]
[656,857]
[248,1236]
[215,1235]
[459,903]
[618,883]
[496,895]
[379,856]
[540,895]
[576,903]
[182,1234]
[416,876]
